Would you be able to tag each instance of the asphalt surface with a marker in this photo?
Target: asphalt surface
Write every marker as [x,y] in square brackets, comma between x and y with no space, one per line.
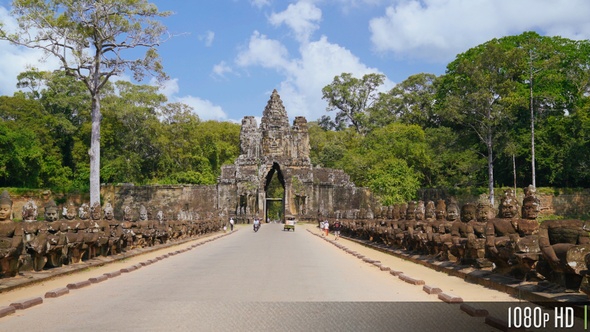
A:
[272,280]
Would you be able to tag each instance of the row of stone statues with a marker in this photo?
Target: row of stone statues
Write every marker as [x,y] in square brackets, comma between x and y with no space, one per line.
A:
[83,233]
[512,242]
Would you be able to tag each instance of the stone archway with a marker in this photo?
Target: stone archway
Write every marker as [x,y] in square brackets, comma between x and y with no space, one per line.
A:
[274,193]
[280,151]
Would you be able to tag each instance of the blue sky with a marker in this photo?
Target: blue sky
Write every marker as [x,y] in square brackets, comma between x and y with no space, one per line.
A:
[227,56]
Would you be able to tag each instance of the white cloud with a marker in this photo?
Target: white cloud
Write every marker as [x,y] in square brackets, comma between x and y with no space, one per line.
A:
[168,88]
[263,52]
[203,108]
[260,3]
[439,30]
[315,66]
[304,77]
[208,38]
[348,6]
[320,61]
[220,69]
[301,17]
[17,59]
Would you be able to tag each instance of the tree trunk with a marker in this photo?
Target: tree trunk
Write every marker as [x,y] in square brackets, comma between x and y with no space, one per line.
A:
[514,170]
[94,152]
[490,167]
[533,175]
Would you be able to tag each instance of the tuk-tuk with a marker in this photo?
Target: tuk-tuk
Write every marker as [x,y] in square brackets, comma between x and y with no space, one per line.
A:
[290,223]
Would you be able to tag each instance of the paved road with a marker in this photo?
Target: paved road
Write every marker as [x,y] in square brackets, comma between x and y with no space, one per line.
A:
[267,281]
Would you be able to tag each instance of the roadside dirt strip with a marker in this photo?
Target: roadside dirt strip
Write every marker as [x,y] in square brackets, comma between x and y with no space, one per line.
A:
[30,288]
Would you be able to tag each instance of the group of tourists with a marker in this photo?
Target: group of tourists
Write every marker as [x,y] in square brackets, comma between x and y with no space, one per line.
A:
[325,228]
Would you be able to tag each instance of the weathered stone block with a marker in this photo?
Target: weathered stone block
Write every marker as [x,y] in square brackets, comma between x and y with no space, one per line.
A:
[113,274]
[27,303]
[78,285]
[98,279]
[57,292]
[449,298]
[473,311]
[8,310]
[411,280]
[431,289]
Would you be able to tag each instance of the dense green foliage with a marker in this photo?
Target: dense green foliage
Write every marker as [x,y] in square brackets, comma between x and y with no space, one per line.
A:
[45,137]
[93,41]
[470,127]
[474,126]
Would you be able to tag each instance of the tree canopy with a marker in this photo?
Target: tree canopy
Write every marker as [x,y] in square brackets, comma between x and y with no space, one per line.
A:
[474,126]
[93,41]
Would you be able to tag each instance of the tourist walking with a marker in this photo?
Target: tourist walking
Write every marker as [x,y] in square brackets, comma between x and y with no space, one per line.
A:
[336,227]
[231,224]
[326,227]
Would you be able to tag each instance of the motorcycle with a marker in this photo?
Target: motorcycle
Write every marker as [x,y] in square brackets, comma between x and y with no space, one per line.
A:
[256,227]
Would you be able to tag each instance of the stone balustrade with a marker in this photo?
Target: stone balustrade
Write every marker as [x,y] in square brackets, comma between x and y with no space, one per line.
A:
[37,245]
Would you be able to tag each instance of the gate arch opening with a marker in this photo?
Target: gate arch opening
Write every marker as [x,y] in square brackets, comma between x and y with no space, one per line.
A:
[274,191]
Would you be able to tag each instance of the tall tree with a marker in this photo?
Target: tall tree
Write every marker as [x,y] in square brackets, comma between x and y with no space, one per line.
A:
[67,101]
[555,81]
[411,102]
[30,145]
[479,93]
[93,40]
[352,98]
[129,129]
[544,59]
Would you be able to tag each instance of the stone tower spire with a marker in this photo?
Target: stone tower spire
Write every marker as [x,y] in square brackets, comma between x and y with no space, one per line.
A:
[275,130]
[274,112]
[275,140]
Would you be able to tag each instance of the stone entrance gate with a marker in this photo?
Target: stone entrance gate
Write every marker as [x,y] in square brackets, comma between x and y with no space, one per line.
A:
[278,149]
[275,148]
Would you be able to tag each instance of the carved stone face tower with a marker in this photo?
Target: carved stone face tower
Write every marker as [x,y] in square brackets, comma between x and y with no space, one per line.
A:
[275,129]
[280,142]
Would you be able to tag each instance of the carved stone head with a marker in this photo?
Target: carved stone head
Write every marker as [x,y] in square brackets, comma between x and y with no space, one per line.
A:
[51,213]
[30,211]
[403,209]
[420,210]
[429,212]
[96,211]
[468,212]
[531,206]
[485,211]
[69,212]
[5,206]
[508,205]
[108,212]
[143,213]
[452,211]
[84,211]
[441,210]
[395,212]
[411,210]
[127,214]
